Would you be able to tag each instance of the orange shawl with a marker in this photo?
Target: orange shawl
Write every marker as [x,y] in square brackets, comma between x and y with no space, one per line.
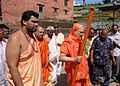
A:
[70,47]
[44,50]
[46,68]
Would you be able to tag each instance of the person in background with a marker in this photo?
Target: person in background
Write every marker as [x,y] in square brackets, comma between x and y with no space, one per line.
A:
[59,36]
[100,55]
[43,45]
[44,50]
[49,33]
[70,55]
[89,42]
[6,31]
[3,71]
[23,55]
[54,53]
[6,36]
[62,77]
[59,40]
[114,35]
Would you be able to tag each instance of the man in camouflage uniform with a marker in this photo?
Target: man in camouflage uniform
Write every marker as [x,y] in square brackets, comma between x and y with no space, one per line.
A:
[100,53]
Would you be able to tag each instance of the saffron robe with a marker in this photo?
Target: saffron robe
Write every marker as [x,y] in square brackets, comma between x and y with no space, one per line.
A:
[29,67]
[70,47]
[46,68]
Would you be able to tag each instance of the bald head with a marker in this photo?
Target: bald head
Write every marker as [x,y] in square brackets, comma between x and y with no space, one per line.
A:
[39,33]
[104,33]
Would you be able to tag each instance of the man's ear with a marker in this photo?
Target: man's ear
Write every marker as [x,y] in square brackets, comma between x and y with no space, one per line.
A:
[24,22]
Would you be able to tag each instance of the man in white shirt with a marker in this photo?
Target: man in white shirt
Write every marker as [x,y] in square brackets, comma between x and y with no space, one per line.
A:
[3,77]
[6,36]
[115,37]
[62,77]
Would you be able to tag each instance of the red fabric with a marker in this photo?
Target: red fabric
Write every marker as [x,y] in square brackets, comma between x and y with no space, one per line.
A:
[70,47]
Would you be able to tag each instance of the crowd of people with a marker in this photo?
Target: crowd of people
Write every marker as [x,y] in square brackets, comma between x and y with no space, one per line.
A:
[28,57]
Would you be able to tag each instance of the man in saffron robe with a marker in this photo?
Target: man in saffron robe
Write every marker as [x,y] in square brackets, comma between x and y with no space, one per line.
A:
[23,55]
[44,50]
[69,54]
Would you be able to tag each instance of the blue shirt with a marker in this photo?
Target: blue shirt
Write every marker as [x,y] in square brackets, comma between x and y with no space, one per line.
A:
[102,49]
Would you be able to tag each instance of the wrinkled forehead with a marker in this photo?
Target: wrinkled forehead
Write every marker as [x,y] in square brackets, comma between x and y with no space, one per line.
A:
[81,28]
[50,30]
[104,32]
[40,28]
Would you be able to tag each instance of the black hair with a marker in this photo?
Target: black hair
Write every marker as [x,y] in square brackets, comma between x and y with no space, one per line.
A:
[4,26]
[91,28]
[115,25]
[55,26]
[27,15]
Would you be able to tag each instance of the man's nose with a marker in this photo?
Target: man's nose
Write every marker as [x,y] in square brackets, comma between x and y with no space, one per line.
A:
[36,24]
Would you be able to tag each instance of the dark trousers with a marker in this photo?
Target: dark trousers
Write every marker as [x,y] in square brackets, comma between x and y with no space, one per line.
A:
[62,80]
[116,68]
[117,65]
[90,70]
[106,74]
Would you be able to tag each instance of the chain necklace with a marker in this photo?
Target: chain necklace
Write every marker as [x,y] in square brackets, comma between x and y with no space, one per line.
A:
[30,42]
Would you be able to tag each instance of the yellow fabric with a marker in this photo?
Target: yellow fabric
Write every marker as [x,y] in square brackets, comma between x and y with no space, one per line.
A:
[29,67]
[88,46]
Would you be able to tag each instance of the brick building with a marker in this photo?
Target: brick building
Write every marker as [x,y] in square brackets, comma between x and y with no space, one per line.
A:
[11,10]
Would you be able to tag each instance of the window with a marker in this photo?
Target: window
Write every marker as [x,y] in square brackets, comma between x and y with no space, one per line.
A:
[65,2]
[41,11]
[40,7]
[55,9]
[66,12]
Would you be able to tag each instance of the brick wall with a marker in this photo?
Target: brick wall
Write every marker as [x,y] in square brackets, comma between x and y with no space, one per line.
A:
[13,9]
[60,14]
